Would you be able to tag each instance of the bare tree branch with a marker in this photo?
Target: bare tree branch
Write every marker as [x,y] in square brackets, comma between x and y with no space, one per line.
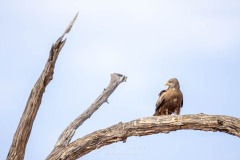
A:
[147,126]
[64,150]
[69,132]
[17,149]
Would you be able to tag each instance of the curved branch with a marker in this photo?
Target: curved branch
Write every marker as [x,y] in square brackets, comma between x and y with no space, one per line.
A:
[20,139]
[148,126]
[69,132]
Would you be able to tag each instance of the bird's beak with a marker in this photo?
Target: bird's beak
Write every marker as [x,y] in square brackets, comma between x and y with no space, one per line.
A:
[166,84]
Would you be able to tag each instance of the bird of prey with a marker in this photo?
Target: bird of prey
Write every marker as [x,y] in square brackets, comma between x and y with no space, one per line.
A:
[169,100]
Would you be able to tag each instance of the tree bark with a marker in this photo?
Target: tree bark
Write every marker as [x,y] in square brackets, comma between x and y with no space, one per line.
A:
[147,126]
[21,136]
[64,150]
[69,132]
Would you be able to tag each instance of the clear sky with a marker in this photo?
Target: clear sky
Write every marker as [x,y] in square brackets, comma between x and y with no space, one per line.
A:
[150,41]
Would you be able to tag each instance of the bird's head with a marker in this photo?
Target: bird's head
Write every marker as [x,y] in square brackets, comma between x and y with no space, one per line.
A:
[172,83]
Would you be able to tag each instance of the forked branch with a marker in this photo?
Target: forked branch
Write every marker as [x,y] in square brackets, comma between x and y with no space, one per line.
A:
[148,126]
[20,139]
[69,132]
[64,150]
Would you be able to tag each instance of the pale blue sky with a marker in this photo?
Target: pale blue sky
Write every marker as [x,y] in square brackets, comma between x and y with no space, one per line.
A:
[150,41]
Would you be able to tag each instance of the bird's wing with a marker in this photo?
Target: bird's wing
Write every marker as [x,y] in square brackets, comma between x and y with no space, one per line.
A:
[182,103]
[160,100]
[181,95]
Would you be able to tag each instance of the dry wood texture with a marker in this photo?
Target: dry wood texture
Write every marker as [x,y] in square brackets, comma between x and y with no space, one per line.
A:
[64,150]
[68,133]
[20,139]
[147,126]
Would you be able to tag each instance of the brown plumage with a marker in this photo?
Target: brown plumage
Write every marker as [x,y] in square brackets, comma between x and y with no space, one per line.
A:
[169,100]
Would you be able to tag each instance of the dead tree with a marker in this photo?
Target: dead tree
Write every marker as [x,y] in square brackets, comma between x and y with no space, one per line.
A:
[65,150]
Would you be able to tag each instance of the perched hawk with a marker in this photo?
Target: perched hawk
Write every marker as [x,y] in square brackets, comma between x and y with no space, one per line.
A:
[169,100]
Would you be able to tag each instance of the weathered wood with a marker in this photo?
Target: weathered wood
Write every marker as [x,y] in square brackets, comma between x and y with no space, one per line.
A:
[20,139]
[69,132]
[64,150]
[147,126]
